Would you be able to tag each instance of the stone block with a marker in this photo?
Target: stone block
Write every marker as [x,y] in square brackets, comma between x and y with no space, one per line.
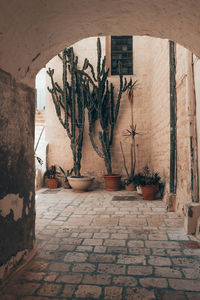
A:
[191,215]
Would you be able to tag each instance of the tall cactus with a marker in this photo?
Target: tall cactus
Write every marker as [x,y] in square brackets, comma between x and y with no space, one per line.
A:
[69,103]
[101,105]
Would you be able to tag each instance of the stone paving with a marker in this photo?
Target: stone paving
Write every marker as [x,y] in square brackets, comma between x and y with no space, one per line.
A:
[90,247]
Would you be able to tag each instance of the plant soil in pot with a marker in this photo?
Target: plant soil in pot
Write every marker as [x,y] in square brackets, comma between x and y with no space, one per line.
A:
[112,182]
[80,184]
[149,191]
[52,183]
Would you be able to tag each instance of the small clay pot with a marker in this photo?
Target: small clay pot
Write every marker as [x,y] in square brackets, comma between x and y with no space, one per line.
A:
[112,182]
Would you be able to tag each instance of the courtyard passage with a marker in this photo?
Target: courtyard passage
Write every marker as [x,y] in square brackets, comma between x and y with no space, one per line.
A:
[91,246]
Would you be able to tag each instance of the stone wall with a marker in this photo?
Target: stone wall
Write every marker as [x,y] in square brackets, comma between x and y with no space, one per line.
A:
[17,196]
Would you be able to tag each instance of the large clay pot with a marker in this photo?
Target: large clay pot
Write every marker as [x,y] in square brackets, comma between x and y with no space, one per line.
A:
[149,192]
[130,187]
[112,182]
[80,184]
[52,183]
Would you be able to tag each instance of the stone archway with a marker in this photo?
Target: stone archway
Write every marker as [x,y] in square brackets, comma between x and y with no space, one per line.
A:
[30,34]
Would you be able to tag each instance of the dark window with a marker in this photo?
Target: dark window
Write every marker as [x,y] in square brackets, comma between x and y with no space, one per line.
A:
[122,51]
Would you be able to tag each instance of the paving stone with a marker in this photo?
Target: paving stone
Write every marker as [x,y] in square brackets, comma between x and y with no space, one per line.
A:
[135,244]
[131,259]
[71,241]
[100,249]
[166,295]
[158,237]
[182,261]
[97,279]
[49,289]
[92,242]
[119,236]
[191,273]
[139,251]
[154,282]
[174,252]
[140,270]
[84,267]
[140,294]
[117,250]
[68,291]
[111,269]
[70,278]
[186,285]
[75,257]
[168,272]
[113,293]
[88,291]
[101,235]
[159,261]
[162,244]
[51,276]
[84,248]
[109,242]
[124,281]
[102,258]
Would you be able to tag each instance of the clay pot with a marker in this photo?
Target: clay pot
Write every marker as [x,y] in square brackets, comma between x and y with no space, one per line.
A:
[52,183]
[130,187]
[149,192]
[112,182]
[80,184]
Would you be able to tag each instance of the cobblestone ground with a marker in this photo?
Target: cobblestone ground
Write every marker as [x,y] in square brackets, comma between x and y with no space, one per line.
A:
[90,247]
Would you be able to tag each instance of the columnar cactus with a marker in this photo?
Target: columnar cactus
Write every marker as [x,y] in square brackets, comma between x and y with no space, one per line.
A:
[102,106]
[69,104]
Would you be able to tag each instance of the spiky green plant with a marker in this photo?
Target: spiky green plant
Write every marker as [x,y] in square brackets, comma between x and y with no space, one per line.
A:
[69,102]
[101,105]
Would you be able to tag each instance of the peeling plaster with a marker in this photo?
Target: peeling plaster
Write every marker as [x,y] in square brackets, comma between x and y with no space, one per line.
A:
[12,202]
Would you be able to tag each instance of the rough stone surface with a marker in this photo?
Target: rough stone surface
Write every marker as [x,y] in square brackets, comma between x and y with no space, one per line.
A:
[17,203]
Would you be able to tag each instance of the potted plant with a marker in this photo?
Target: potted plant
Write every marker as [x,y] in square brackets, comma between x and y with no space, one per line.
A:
[51,177]
[149,181]
[129,182]
[65,176]
[102,107]
[70,104]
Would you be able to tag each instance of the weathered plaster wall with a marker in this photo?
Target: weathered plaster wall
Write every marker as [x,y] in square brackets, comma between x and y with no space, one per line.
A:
[17,206]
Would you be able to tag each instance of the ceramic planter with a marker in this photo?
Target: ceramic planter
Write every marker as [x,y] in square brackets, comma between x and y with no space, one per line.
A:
[149,192]
[80,184]
[112,182]
[130,187]
[52,183]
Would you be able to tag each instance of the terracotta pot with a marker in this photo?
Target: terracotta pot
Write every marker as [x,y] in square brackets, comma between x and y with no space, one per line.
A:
[80,184]
[112,182]
[149,192]
[52,183]
[130,187]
